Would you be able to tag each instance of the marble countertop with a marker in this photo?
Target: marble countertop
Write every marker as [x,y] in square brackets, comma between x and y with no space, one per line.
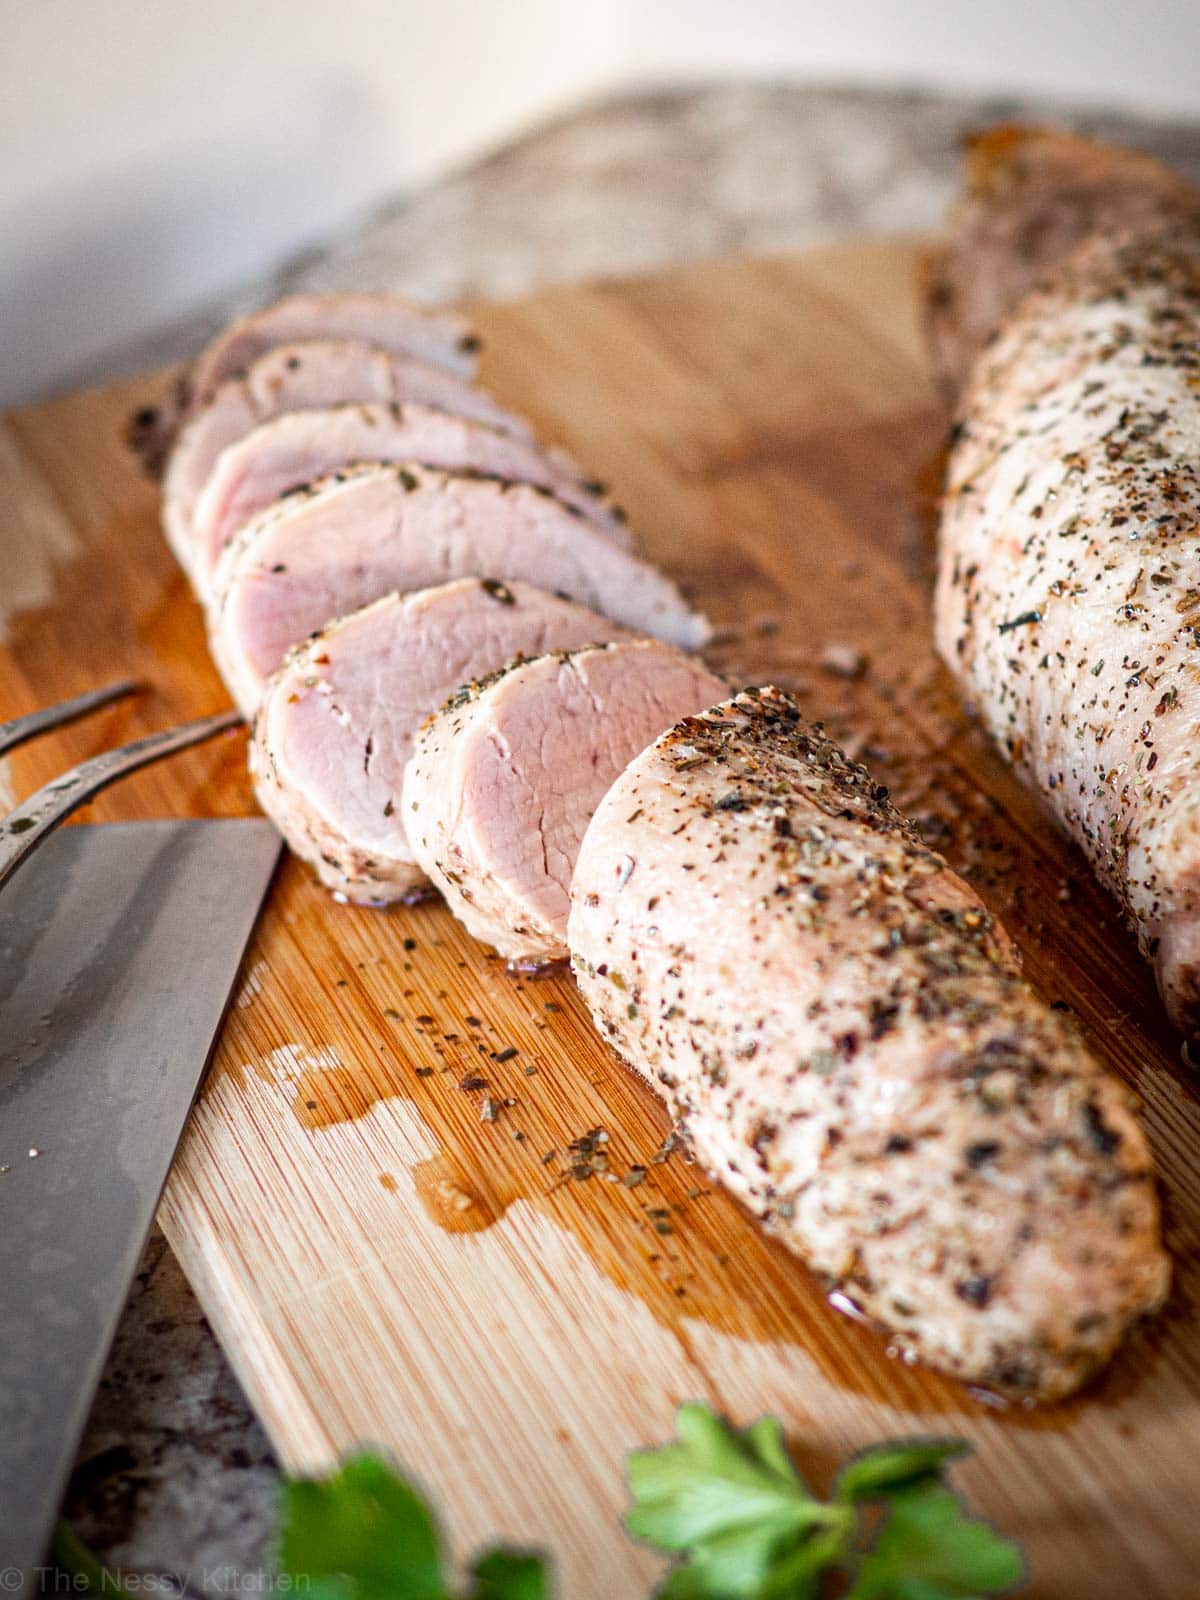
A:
[175,1477]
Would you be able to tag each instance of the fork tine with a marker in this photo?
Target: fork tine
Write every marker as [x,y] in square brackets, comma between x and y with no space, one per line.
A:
[28,727]
[24,829]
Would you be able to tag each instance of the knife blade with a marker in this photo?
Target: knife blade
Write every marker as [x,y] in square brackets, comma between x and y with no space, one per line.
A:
[119,947]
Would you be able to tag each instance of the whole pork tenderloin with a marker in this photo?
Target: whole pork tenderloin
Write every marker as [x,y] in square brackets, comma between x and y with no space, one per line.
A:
[1068,595]
[841,1029]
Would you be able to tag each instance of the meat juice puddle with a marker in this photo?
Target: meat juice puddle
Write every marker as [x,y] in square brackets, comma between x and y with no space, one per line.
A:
[647,1218]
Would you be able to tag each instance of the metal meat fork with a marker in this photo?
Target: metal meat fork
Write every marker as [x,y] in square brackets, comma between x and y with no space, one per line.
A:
[24,829]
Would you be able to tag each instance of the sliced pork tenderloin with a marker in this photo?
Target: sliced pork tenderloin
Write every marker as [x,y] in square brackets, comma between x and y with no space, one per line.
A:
[842,1031]
[376,529]
[387,321]
[505,778]
[336,724]
[311,377]
[290,452]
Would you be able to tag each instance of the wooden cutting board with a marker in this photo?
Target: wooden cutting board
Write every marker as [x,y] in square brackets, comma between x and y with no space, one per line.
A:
[384,1264]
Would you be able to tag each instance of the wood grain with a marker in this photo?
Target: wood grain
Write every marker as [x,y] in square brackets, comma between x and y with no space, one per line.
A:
[385,1265]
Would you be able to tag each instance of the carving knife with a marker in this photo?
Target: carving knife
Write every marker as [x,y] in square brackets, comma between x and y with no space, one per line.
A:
[119,947]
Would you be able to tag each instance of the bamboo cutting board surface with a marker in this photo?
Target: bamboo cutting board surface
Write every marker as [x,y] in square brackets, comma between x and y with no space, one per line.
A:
[502,1303]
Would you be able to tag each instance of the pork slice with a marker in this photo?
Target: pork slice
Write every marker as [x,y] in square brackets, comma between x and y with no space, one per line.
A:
[290,452]
[1067,601]
[387,321]
[1033,194]
[377,529]
[310,377]
[337,720]
[504,779]
[842,1030]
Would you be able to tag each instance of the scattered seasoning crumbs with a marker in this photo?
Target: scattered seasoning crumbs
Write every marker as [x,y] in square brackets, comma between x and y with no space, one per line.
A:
[424,1072]
[589,1159]
[488,1110]
[506,1054]
[473,1022]
[472,1082]
[843,661]
[549,1157]
[410,944]
[669,1144]
[633,1177]
[390,1011]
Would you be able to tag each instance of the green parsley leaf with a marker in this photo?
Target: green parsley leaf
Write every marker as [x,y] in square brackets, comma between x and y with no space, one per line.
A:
[930,1549]
[731,1506]
[361,1534]
[732,1500]
[365,1534]
[509,1575]
[903,1464]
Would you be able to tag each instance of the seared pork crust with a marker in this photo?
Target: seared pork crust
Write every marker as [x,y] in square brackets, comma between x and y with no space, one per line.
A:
[1032,195]
[1068,600]
[842,1030]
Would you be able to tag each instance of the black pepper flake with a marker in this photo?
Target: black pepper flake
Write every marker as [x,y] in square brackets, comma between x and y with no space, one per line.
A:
[506,1054]
[472,1082]
[1022,621]
[978,1155]
[1105,1139]
[975,1291]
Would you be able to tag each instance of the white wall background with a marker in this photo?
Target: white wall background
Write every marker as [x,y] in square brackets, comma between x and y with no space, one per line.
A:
[154,152]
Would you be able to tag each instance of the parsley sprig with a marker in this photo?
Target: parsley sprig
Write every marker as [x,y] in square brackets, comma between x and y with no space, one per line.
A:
[727,1503]
[731,1506]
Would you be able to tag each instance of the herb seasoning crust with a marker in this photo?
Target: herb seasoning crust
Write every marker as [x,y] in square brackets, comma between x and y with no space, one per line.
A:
[1068,599]
[843,1033]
